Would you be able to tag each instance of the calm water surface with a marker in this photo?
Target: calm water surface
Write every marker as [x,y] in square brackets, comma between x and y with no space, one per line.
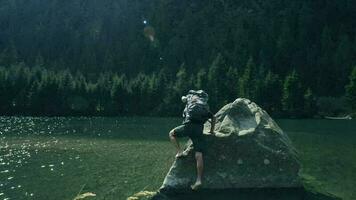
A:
[59,158]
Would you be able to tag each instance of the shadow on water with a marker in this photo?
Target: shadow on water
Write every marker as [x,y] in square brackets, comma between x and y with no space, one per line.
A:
[247,194]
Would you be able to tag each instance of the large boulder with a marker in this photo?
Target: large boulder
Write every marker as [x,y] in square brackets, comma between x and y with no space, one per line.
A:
[249,150]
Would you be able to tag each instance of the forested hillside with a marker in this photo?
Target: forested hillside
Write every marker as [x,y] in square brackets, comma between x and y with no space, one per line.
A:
[122,57]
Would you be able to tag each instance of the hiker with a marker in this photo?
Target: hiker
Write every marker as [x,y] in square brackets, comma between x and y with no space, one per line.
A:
[195,114]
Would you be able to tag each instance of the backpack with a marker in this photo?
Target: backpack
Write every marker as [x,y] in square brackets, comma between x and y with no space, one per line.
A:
[197,112]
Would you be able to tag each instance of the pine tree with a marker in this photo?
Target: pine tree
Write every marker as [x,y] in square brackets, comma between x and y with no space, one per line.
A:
[165,92]
[247,83]
[271,93]
[217,89]
[34,97]
[39,62]
[309,103]
[351,90]
[119,95]
[326,69]
[20,86]
[293,95]
[182,84]
[284,47]
[79,100]
[178,88]
[9,55]
[201,80]
[342,62]
[231,84]
[4,87]
[109,63]
[103,87]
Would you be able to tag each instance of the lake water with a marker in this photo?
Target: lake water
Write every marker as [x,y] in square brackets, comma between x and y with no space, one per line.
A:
[113,158]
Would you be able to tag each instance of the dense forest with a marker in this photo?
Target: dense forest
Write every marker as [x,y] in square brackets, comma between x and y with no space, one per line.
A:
[294,58]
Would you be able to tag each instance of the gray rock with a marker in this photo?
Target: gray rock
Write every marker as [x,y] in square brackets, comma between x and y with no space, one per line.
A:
[248,151]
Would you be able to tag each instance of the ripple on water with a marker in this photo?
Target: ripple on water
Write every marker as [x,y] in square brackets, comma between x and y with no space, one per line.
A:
[17,155]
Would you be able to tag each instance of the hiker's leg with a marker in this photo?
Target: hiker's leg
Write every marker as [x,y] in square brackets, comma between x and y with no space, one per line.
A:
[200,167]
[175,142]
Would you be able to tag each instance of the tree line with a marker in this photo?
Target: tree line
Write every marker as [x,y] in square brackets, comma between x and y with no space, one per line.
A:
[316,38]
[293,57]
[39,91]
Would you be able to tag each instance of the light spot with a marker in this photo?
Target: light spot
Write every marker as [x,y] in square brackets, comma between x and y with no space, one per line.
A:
[266,162]
[239,161]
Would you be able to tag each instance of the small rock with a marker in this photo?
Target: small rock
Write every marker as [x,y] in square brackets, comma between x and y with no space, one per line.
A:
[266,162]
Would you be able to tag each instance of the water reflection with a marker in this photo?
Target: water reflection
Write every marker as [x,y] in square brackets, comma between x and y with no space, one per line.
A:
[19,148]
[49,150]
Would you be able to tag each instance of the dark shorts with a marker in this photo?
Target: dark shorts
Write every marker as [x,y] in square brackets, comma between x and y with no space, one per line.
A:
[194,132]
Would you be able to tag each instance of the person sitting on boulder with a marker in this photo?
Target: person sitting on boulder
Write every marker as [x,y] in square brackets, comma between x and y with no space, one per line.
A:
[195,114]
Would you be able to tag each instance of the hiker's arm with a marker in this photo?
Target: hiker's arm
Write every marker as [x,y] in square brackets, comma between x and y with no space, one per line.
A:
[212,126]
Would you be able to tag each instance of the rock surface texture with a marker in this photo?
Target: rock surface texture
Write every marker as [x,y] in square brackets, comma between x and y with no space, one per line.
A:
[249,150]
